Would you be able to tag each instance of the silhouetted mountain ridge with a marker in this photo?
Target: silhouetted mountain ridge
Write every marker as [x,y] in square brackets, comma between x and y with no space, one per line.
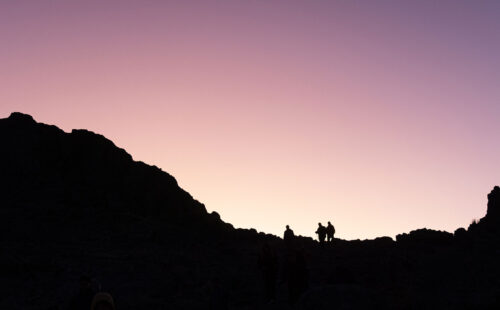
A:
[74,203]
[84,168]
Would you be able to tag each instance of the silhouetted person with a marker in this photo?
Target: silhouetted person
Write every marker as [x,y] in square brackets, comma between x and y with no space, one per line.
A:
[330,231]
[218,296]
[103,301]
[288,237]
[297,275]
[83,300]
[321,231]
[268,264]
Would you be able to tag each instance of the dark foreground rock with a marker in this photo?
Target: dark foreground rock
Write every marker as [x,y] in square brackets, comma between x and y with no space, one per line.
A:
[74,204]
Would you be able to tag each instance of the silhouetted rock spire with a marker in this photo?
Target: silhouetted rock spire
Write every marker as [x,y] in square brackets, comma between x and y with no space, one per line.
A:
[494,203]
[490,223]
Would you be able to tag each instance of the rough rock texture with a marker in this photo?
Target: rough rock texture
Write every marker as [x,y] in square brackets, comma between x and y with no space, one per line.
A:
[493,212]
[74,204]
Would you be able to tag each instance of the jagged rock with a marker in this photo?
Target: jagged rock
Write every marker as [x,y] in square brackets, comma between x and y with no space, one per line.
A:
[85,169]
[425,237]
[74,203]
[493,210]
[20,117]
[489,226]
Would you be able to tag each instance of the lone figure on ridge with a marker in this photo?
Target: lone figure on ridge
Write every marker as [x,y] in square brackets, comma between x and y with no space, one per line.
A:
[321,231]
[330,231]
[288,236]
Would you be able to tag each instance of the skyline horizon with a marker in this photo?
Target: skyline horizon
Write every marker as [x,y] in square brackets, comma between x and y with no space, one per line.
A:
[379,116]
[324,222]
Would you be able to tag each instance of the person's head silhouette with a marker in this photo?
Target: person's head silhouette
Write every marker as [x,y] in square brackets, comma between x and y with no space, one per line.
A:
[103,301]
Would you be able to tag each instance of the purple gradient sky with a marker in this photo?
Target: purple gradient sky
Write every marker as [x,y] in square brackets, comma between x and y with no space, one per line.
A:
[381,116]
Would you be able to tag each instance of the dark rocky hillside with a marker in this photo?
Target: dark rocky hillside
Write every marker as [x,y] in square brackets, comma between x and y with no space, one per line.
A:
[74,204]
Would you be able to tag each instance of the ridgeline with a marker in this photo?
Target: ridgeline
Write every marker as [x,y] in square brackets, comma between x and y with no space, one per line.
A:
[74,204]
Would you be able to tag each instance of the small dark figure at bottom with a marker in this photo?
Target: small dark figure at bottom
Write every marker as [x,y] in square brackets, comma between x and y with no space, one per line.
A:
[83,300]
[297,276]
[218,296]
[268,264]
[103,301]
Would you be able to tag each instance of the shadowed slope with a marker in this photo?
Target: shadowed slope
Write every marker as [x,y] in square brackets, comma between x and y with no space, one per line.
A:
[74,203]
[43,163]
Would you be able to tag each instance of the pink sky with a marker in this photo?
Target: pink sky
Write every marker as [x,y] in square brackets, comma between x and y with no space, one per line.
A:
[381,116]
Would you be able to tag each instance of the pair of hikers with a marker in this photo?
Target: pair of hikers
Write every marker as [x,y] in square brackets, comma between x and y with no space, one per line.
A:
[325,232]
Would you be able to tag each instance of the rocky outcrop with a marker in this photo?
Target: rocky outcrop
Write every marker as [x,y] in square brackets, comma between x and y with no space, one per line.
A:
[425,237]
[493,211]
[82,169]
[74,204]
[488,227]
